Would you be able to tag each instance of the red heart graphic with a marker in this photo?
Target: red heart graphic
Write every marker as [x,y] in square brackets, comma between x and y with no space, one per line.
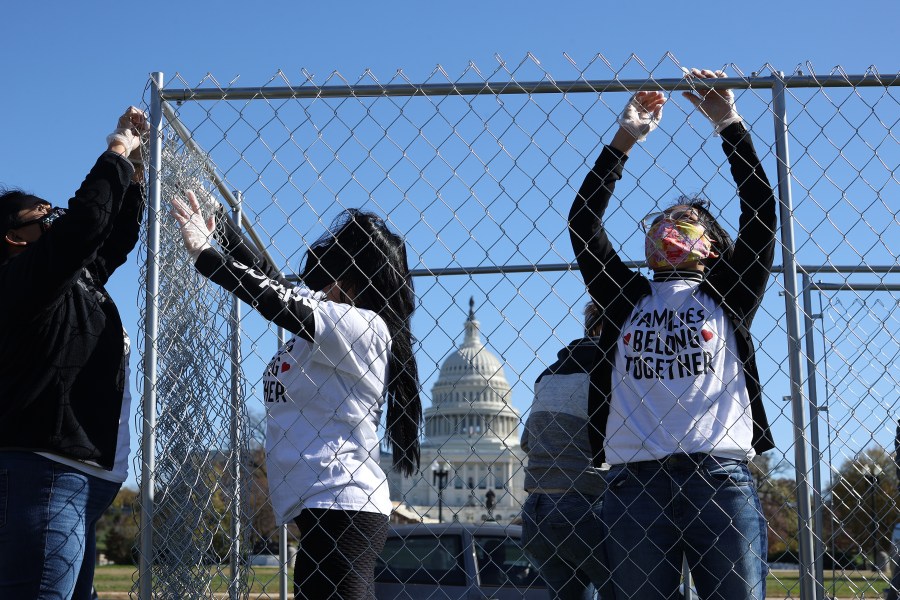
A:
[285,367]
[707,335]
[627,339]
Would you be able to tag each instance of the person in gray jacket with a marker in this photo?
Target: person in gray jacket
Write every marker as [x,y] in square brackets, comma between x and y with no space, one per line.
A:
[561,526]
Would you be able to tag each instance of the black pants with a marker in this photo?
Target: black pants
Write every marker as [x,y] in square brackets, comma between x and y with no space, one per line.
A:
[336,558]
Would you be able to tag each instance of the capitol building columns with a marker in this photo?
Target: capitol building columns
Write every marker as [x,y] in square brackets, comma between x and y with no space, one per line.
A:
[472,433]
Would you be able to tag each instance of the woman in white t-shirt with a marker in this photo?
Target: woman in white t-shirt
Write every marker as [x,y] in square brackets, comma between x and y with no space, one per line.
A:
[324,390]
[675,403]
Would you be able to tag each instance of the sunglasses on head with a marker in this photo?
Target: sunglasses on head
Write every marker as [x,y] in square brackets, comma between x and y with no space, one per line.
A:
[679,215]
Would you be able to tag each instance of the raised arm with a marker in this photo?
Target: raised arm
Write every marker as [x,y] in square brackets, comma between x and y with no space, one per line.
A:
[126,226]
[123,236]
[236,246]
[52,263]
[605,274]
[273,297]
[742,279]
[754,248]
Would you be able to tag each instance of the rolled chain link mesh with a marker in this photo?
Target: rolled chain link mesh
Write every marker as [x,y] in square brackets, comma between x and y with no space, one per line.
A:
[195,453]
[480,184]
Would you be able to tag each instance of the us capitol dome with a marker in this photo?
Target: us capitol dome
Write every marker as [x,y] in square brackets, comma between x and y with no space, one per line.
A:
[471,446]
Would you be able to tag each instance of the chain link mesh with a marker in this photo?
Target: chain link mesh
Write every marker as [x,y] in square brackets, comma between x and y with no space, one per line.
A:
[479,186]
[196,454]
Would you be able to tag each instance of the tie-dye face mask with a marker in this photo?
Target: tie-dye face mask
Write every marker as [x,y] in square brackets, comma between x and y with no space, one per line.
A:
[674,243]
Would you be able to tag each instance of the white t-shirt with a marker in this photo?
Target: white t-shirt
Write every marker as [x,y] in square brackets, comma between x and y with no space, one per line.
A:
[119,471]
[324,403]
[678,385]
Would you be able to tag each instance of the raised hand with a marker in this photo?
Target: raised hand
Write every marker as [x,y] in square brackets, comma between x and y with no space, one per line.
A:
[195,230]
[642,114]
[716,105]
[131,127]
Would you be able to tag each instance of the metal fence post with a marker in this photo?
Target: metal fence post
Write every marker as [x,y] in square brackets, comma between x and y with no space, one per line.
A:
[283,557]
[818,508]
[235,433]
[151,323]
[789,259]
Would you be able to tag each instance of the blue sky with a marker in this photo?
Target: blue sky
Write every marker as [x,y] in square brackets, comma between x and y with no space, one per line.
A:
[70,69]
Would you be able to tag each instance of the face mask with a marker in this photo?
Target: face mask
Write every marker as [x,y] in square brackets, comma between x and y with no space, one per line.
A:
[673,243]
[45,222]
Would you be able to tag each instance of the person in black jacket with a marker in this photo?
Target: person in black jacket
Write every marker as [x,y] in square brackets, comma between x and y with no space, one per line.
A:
[62,370]
[676,404]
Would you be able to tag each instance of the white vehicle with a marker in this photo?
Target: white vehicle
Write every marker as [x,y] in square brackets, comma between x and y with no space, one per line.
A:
[456,561]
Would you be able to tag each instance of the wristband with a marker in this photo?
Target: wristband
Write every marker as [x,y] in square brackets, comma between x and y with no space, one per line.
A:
[731,119]
[119,136]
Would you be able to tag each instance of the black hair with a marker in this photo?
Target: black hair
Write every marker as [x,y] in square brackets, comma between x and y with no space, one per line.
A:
[370,261]
[12,200]
[722,244]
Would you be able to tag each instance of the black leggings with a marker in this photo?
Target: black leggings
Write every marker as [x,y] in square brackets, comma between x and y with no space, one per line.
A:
[336,558]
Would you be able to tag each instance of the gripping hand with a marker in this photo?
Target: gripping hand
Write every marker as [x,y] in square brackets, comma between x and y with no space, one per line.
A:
[642,114]
[716,105]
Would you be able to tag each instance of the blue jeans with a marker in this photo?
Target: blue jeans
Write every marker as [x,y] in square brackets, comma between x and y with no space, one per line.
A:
[564,535]
[48,512]
[695,506]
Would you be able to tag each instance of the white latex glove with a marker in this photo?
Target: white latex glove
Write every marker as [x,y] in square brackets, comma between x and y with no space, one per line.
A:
[196,231]
[642,114]
[132,126]
[716,105]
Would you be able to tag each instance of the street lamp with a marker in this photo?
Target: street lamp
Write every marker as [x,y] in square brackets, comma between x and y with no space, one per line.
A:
[440,472]
[872,472]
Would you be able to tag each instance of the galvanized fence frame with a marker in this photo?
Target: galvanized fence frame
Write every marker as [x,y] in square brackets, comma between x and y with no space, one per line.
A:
[807,462]
[816,407]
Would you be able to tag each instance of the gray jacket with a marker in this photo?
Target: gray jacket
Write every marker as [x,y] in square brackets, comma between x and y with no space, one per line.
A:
[556,432]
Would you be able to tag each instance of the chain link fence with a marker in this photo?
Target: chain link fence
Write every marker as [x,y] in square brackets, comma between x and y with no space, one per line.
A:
[477,172]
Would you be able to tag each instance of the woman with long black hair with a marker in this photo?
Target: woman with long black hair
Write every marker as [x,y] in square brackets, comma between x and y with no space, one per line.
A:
[324,390]
[676,402]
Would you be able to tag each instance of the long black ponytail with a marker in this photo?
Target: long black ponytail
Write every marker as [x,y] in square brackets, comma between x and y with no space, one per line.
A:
[367,257]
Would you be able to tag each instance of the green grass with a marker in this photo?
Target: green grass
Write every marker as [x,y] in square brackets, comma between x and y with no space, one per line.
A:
[120,579]
[850,584]
[113,578]
[780,584]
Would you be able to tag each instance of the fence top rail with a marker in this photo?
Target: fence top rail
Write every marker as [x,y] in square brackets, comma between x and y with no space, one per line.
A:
[556,267]
[855,287]
[494,88]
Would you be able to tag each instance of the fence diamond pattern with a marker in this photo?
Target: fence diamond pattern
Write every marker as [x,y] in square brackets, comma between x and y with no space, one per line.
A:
[478,172]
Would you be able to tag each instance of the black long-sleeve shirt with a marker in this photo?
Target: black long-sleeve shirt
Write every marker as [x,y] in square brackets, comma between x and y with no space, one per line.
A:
[245,272]
[62,345]
[737,284]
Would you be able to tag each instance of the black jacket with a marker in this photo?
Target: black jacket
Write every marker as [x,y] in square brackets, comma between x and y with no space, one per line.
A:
[736,285]
[61,339]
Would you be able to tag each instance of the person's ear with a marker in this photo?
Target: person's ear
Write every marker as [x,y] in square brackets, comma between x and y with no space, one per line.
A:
[712,252]
[348,292]
[14,240]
